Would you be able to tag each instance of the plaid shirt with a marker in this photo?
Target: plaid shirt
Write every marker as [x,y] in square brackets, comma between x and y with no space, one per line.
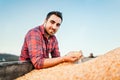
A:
[37,47]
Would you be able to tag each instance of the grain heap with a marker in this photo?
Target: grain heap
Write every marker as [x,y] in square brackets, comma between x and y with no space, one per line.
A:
[105,67]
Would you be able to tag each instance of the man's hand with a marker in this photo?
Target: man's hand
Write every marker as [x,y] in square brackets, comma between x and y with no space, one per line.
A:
[72,56]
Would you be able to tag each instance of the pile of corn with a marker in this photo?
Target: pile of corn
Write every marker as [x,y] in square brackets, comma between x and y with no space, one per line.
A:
[105,67]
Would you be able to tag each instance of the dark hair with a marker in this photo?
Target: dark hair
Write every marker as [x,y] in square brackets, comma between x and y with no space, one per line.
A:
[57,13]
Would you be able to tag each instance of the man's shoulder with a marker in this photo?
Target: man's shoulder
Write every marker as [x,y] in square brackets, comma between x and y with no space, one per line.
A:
[35,29]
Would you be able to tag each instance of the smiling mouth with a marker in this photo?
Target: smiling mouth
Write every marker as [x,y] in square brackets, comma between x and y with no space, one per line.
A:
[52,31]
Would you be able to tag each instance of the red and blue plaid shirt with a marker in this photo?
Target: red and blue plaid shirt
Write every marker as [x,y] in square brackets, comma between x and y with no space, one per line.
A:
[37,47]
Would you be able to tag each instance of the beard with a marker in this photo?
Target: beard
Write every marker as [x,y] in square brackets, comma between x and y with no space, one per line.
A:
[46,31]
[49,30]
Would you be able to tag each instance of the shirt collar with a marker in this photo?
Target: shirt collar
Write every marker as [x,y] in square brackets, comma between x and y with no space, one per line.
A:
[42,29]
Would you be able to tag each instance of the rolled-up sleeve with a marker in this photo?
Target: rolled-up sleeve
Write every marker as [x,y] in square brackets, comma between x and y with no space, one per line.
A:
[34,44]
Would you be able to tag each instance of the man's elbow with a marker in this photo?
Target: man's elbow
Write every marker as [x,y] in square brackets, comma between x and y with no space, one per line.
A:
[37,66]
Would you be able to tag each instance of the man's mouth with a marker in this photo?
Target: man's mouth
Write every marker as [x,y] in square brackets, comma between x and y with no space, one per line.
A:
[52,31]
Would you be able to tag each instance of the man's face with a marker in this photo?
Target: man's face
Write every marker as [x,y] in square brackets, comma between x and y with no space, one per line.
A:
[52,24]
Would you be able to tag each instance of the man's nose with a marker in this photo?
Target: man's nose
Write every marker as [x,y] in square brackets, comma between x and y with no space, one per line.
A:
[54,26]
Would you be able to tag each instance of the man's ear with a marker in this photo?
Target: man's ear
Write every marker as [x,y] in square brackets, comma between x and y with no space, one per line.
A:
[44,23]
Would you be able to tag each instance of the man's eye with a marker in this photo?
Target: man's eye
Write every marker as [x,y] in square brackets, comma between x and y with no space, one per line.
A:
[58,25]
[52,22]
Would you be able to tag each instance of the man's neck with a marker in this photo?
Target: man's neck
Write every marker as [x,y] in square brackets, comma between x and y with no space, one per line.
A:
[46,34]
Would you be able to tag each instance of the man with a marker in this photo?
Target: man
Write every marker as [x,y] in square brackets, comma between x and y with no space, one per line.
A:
[41,41]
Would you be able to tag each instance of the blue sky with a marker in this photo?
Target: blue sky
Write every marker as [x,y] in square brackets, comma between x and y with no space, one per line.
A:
[88,25]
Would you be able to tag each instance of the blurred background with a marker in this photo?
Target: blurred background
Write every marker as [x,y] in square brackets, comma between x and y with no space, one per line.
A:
[92,26]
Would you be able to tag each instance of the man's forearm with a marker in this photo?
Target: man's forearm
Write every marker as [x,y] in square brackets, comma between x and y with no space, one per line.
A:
[52,61]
